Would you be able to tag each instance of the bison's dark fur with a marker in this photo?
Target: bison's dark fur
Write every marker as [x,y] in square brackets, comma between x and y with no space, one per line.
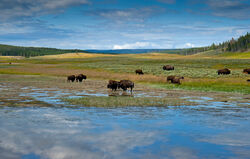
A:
[168,67]
[177,80]
[113,85]
[125,84]
[170,78]
[247,70]
[71,78]
[80,77]
[139,72]
[224,71]
[248,80]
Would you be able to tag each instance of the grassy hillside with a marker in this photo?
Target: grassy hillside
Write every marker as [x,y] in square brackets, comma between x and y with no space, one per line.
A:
[8,50]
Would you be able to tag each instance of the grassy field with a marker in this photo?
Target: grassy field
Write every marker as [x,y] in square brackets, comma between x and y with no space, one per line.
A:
[199,70]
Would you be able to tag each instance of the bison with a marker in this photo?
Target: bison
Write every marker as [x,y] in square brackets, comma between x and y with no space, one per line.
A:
[170,78]
[177,80]
[168,67]
[224,71]
[139,72]
[80,77]
[125,84]
[71,78]
[247,71]
[113,85]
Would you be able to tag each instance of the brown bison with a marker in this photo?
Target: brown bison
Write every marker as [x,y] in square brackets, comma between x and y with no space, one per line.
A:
[247,71]
[177,80]
[170,78]
[125,84]
[139,72]
[224,71]
[80,77]
[113,85]
[71,78]
[168,67]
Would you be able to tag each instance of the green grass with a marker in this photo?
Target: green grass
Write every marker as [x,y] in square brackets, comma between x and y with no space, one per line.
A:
[193,68]
[200,73]
[126,101]
[236,54]
[209,86]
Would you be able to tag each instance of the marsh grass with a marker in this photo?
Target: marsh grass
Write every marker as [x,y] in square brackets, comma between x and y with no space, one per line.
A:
[121,101]
[209,85]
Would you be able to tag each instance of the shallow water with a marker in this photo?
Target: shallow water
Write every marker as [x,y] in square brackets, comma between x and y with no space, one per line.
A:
[209,130]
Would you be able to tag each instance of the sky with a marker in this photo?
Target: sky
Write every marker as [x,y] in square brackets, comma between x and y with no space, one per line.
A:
[122,24]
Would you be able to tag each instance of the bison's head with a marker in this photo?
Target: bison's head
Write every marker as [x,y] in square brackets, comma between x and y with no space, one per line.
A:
[108,86]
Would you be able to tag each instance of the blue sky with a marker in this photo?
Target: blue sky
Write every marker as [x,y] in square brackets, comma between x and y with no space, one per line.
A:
[122,24]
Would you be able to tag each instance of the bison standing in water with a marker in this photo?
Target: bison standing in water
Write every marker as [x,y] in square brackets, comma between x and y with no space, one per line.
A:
[113,85]
[139,72]
[125,84]
[80,77]
[177,80]
[247,71]
[224,71]
[168,67]
[71,78]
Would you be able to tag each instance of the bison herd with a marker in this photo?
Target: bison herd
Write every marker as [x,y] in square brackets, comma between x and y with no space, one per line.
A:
[177,79]
[127,84]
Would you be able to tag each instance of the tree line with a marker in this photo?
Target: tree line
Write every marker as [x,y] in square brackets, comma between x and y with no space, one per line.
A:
[240,45]
[8,50]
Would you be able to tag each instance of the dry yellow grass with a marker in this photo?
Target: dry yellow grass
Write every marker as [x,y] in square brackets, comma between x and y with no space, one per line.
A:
[91,73]
[73,55]
[157,56]
[11,57]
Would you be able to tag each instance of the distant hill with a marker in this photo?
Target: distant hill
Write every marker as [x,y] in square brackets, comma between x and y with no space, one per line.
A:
[241,44]
[9,50]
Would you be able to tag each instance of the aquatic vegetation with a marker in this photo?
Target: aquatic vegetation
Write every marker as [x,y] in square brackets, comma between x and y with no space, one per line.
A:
[119,101]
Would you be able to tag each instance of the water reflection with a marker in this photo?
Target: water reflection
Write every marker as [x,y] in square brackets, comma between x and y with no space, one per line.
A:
[134,132]
[210,130]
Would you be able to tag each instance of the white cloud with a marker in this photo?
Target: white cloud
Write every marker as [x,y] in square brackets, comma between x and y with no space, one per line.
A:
[137,45]
[188,45]
[26,8]
[130,14]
